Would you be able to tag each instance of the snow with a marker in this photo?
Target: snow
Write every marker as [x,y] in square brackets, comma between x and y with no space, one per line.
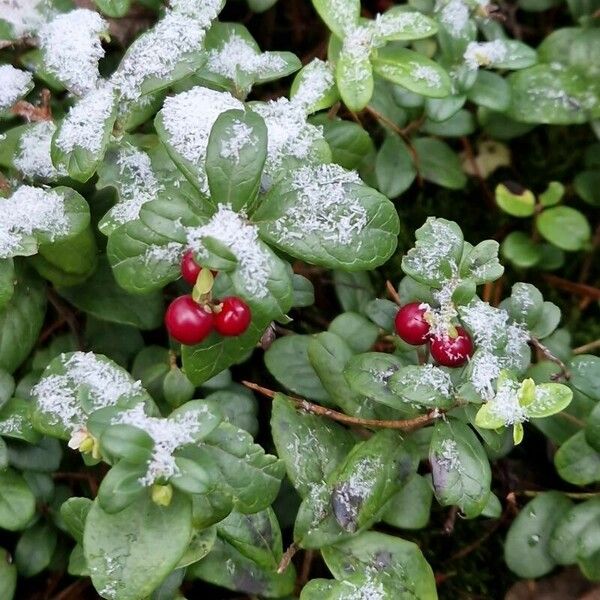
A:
[103,382]
[30,210]
[359,42]
[83,127]
[388,24]
[188,118]
[72,48]
[14,84]
[236,138]
[505,404]
[289,133]
[316,79]
[238,55]
[23,15]
[241,238]
[324,206]
[424,73]
[484,54]
[447,455]
[170,253]
[168,435]
[454,16]
[138,184]
[33,153]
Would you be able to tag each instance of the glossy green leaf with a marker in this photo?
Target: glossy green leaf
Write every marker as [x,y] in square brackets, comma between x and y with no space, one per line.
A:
[564,227]
[17,502]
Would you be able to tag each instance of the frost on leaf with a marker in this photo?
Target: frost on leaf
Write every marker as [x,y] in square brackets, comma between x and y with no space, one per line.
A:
[359,42]
[27,212]
[447,456]
[168,435]
[33,154]
[324,206]
[454,16]
[72,48]
[315,81]
[14,84]
[484,54]
[505,405]
[188,119]
[84,125]
[237,55]
[154,56]
[24,16]
[72,379]
[289,134]
[237,137]
[137,185]
[240,238]
[424,385]
[424,73]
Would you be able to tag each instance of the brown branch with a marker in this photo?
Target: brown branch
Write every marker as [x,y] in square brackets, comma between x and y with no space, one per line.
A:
[450,521]
[573,495]
[316,409]
[286,559]
[393,293]
[590,346]
[569,417]
[579,289]
[32,113]
[564,372]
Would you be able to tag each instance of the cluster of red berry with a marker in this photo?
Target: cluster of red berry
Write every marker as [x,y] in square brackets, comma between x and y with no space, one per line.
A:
[190,322]
[448,350]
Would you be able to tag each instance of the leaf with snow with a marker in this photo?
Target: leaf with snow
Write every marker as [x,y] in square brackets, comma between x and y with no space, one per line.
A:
[499,54]
[184,126]
[235,60]
[34,216]
[454,17]
[460,467]
[314,86]
[341,16]
[413,71]
[424,385]
[71,48]
[14,84]
[22,17]
[436,254]
[81,139]
[481,263]
[235,156]
[327,216]
[354,77]
[399,24]
[76,384]
[32,156]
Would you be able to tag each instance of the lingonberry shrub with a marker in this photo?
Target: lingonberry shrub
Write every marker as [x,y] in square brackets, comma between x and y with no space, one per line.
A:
[178,221]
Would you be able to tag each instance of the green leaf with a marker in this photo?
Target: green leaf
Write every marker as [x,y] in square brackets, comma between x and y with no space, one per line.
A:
[564,227]
[34,549]
[410,507]
[481,263]
[235,156]
[439,164]
[413,71]
[436,254]
[80,140]
[122,486]
[7,387]
[239,407]
[357,331]
[15,421]
[527,551]
[402,571]
[327,216]
[339,17]
[330,443]
[382,312]
[490,90]
[354,78]
[460,468]
[21,320]
[459,124]
[587,186]
[201,544]
[518,248]
[241,573]
[550,398]
[553,194]
[394,167]
[423,386]
[520,203]
[8,576]
[113,8]
[7,278]
[127,442]
[577,462]
[17,502]
[354,290]
[350,144]
[314,86]
[131,552]
[102,297]
[74,512]
[575,535]
[287,360]
[399,24]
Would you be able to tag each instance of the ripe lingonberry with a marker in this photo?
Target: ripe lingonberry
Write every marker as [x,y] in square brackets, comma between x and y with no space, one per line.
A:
[452,351]
[411,325]
[187,321]
[190,269]
[234,317]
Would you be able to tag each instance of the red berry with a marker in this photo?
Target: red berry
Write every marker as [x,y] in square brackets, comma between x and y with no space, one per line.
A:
[452,352]
[234,318]
[190,269]
[411,325]
[187,321]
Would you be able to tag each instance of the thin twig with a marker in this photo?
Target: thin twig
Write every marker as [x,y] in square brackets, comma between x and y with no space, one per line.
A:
[65,312]
[564,372]
[569,417]
[286,559]
[450,521]
[589,347]
[573,495]
[393,293]
[316,409]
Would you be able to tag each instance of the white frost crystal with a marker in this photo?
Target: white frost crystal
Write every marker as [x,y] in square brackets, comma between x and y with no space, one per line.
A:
[241,239]
[104,383]
[317,79]
[238,137]
[72,48]
[483,54]
[14,84]
[33,154]
[25,16]
[30,210]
